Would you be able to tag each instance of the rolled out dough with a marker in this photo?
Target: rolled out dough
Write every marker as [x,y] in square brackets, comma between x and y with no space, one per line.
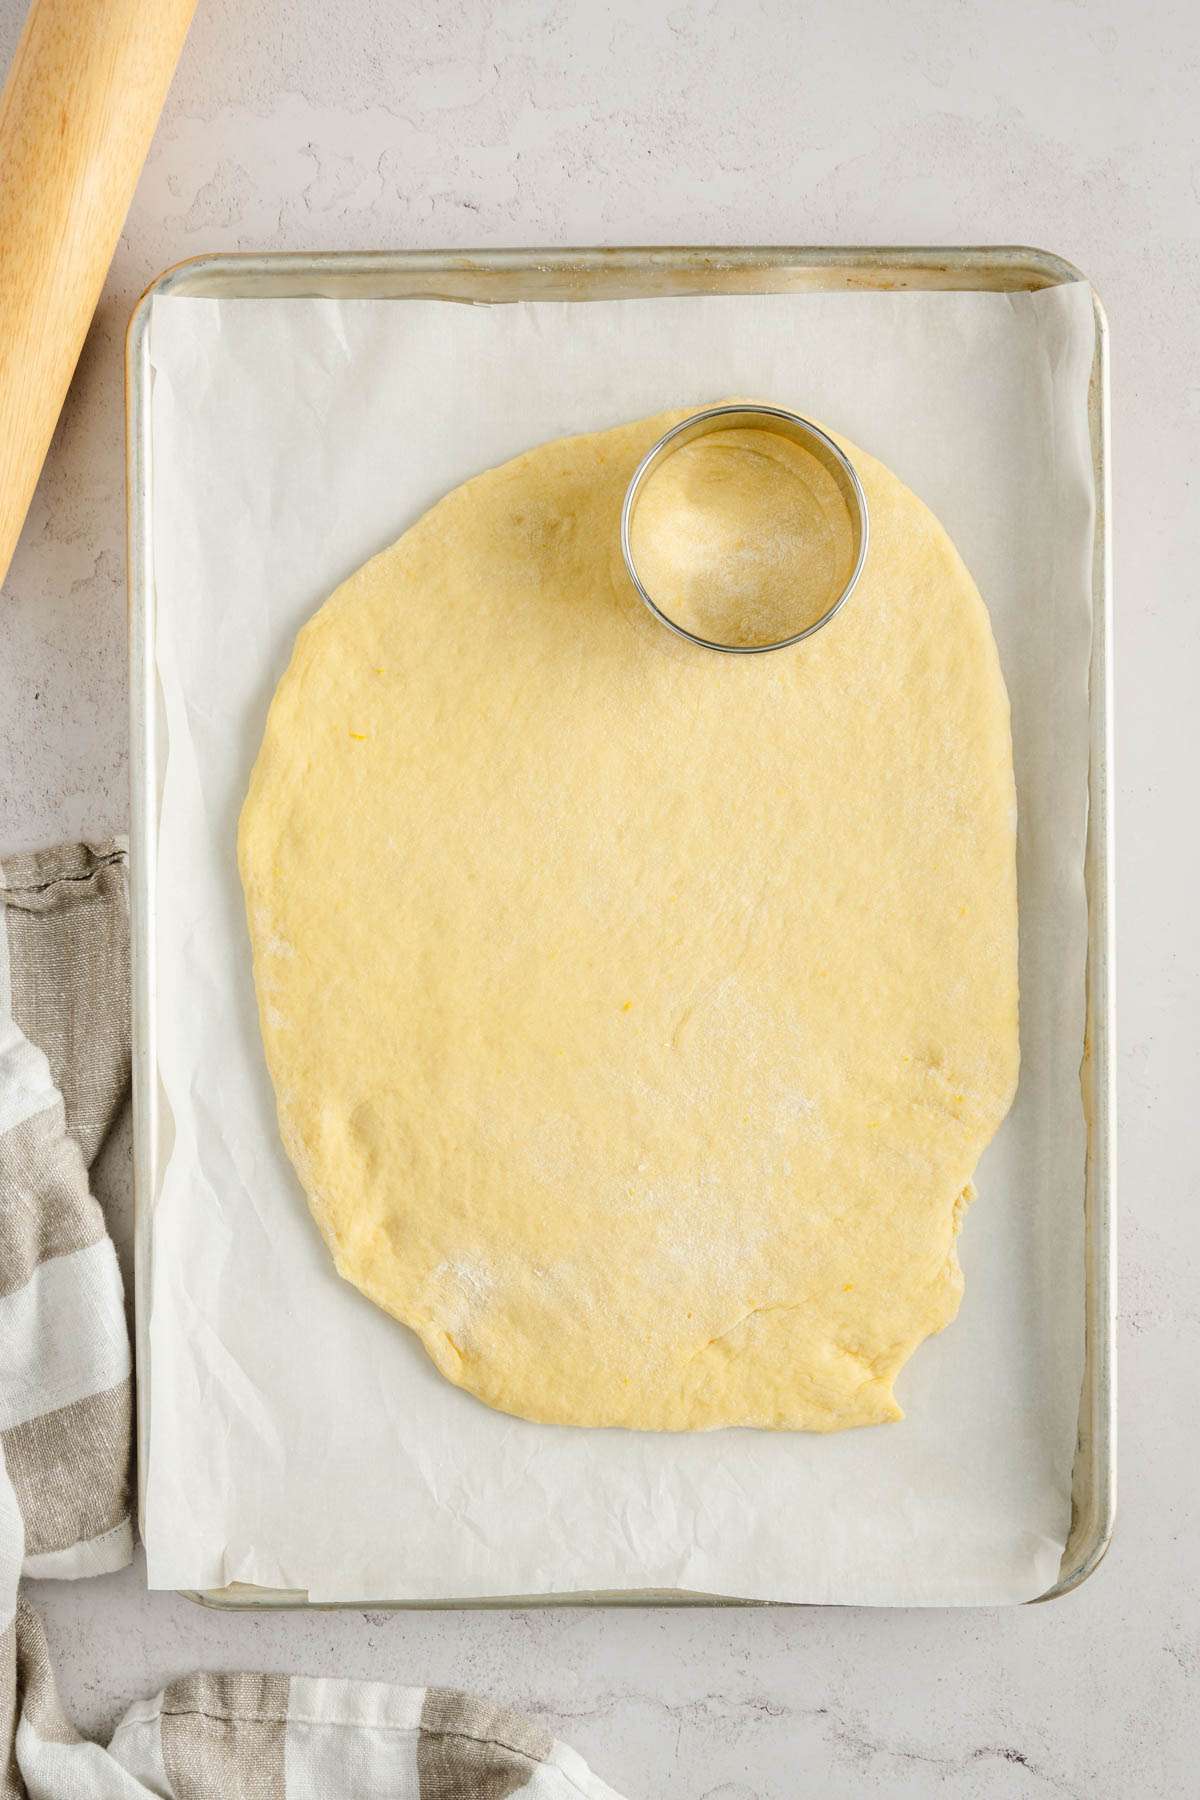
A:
[637,1015]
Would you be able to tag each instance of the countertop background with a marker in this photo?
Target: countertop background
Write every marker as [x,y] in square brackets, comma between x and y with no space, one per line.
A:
[1061,123]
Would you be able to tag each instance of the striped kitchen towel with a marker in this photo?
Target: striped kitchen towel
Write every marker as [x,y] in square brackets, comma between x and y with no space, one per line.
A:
[65,1378]
[275,1737]
[65,1435]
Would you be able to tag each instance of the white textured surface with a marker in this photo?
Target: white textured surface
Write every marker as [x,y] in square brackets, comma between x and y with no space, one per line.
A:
[305,123]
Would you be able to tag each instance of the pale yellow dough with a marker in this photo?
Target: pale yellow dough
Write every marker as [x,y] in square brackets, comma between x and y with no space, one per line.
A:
[637,1015]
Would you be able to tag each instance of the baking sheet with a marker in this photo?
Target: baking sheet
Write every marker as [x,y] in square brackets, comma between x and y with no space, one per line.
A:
[297,1437]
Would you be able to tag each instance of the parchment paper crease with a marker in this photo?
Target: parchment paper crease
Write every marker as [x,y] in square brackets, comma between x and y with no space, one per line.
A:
[298,1437]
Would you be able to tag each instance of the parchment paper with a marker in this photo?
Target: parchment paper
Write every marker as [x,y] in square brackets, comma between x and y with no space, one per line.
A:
[298,1437]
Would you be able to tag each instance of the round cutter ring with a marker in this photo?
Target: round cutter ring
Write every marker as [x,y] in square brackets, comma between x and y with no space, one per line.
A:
[751,418]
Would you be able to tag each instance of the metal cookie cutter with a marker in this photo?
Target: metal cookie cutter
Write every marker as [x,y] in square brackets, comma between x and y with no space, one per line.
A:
[752,418]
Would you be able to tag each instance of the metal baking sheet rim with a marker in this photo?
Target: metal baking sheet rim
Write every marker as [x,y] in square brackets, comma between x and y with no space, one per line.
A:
[493,276]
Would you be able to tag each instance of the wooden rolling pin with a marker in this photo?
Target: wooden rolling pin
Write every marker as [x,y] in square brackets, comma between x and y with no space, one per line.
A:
[79,109]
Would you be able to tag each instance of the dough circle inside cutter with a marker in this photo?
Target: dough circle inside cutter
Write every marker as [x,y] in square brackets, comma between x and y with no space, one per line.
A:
[745,528]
